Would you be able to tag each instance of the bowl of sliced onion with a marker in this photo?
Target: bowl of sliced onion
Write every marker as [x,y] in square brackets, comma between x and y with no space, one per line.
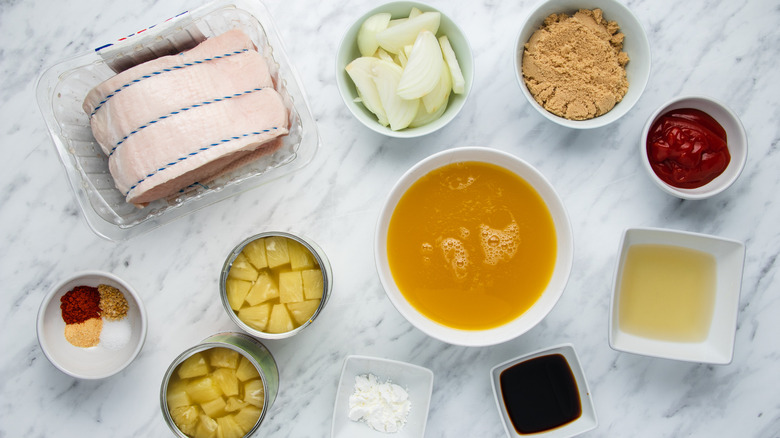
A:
[404,69]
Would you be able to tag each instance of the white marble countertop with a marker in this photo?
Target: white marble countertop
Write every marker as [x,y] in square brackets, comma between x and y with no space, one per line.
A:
[726,50]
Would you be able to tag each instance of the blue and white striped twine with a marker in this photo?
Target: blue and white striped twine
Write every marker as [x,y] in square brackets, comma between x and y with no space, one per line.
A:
[191,154]
[179,111]
[159,72]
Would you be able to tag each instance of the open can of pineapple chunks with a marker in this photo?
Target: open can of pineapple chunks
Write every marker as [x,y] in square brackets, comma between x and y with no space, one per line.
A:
[275,284]
[225,386]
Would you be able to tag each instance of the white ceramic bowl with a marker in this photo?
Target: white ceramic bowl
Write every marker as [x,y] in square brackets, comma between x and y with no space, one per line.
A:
[635,45]
[561,271]
[736,140]
[416,380]
[718,346]
[95,362]
[348,51]
[586,421]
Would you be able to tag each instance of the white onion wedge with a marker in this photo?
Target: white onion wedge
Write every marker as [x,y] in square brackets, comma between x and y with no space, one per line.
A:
[402,58]
[366,39]
[360,70]
[423,69]
[382,54]
[423,117]
[394,38]
[400,112]
[441,93]
[458,83]
[396,21]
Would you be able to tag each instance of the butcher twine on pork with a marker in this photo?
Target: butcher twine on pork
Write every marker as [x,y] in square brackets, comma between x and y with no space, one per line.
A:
[180,119]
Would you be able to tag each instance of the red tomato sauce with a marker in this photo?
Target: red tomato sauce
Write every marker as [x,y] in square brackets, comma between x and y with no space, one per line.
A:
[687,148]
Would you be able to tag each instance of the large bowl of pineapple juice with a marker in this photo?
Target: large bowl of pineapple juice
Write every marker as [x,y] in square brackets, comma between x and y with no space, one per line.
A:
[223,386]
[274,284]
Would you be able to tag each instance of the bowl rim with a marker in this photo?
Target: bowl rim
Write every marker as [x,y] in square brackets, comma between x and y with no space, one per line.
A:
[56,288]
[561,271]
[588,420]
[717,185]
[665,236]
[343,85]
[639,83]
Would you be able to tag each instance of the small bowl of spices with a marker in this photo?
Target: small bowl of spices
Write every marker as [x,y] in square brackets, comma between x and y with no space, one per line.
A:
[582,64]
[693,147]
[91,325]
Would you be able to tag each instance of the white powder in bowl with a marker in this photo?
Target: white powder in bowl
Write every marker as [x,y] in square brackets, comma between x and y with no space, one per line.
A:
[115,334]
[382,406]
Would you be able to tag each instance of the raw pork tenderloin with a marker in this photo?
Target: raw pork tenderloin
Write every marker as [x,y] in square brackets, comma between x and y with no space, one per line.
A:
[176,120]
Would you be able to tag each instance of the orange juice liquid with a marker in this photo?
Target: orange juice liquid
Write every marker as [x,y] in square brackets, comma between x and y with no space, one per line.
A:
[471,245]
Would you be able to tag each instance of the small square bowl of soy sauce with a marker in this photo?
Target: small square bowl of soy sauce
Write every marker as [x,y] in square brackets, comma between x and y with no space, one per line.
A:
[544,394]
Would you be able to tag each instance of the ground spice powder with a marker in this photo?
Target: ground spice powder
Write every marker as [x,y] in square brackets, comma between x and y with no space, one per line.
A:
[84,334]
[113,303]
[80,304]
[574,66]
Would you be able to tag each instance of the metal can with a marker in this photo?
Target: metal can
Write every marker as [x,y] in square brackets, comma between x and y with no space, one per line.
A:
[250,348]
[318,255]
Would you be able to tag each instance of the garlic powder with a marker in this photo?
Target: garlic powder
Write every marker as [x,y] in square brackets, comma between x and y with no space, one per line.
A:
[382,406]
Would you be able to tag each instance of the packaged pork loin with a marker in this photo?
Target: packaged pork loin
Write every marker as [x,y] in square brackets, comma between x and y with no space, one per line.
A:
[183,119]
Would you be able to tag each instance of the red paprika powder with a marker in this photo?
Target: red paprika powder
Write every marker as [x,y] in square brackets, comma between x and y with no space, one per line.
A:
[80,304]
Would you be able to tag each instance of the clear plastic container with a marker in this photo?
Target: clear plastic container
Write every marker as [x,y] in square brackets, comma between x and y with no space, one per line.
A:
[62,88]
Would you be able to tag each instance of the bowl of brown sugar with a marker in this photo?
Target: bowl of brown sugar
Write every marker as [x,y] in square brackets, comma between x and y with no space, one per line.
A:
[91,325]
[582,64]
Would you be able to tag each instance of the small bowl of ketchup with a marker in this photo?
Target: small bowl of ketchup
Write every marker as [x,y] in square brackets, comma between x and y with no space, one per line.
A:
[694,147]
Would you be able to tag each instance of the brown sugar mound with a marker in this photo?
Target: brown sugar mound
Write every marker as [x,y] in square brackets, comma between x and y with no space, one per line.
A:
[574,66]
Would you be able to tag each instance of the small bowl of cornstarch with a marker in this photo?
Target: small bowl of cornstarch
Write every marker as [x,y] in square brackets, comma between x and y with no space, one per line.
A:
[378,396]
[91,325]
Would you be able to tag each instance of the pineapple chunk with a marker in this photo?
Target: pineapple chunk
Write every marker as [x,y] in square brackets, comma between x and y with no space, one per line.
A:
[203,389]
[207,427]
[214,408]
[185,418]
[312,283]
[301,312]
[236,291]
[276,251]
[233,404]
[254,393]
[227,381]
[264,289]
[247,418]
[255,253]
[177,395]
[246,371]
[300,257]
[241,269]
[223,357]
[228,428]
[193,366]
[256,316]
[290,287]
[280,321]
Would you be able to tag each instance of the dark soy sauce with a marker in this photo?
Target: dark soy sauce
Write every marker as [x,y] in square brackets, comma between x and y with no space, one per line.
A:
[540,394]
